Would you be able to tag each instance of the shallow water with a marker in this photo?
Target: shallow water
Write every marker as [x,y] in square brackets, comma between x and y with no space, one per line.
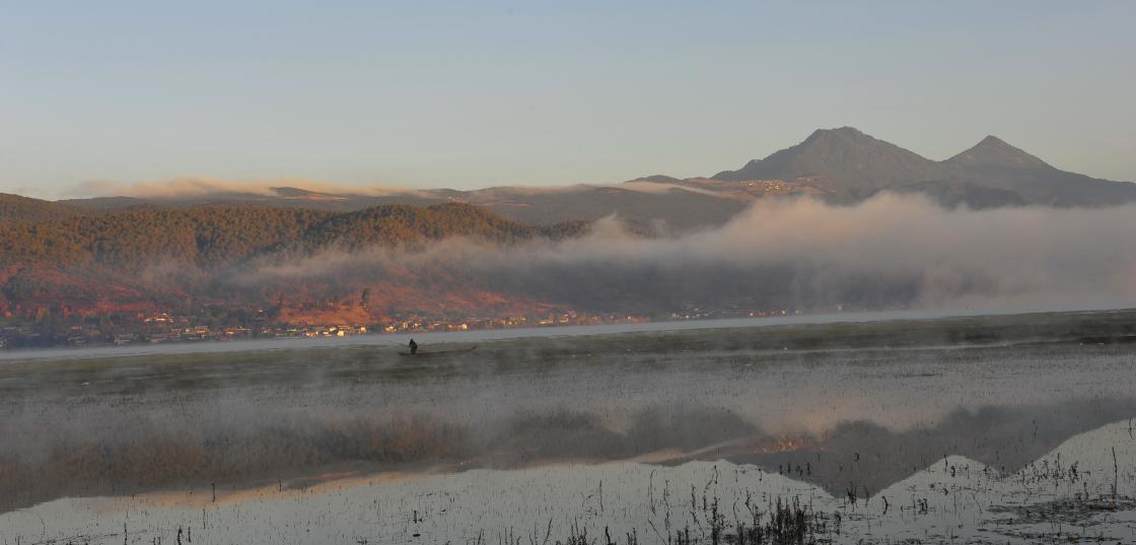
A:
[953,498]
[515,439]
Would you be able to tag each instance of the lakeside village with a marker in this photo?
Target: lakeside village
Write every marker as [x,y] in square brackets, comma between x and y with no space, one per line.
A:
[166,328]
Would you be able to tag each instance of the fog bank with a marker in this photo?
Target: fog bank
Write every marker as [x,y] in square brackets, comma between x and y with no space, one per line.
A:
[886,252]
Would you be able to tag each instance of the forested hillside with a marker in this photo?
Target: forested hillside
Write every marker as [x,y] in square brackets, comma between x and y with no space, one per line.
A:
[210,236]
[20,208]
[68,274]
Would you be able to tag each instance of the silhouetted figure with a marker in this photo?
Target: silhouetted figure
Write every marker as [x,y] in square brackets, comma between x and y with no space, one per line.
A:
[413,347]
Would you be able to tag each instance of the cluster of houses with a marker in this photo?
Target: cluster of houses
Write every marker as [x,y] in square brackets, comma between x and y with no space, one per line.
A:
[164,328]
[415,324]
[154,334]
[698,313]
[159,329]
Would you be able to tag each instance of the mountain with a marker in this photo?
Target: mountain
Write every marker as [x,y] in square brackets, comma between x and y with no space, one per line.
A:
[848,166]
[670,207]
[953,193]
[19,208]
[399,224]
[994,164]
[995,152]
[844,162]
[207,236]
[674,208]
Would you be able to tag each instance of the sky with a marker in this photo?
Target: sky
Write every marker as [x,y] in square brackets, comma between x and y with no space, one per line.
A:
[472,94]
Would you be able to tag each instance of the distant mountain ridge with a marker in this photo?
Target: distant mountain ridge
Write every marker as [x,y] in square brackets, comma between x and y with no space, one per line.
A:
[678,208]
[849,166]
[17,207]
[841,165]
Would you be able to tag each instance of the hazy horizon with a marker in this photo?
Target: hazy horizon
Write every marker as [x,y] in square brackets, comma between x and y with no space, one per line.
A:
[457,96]
[201,185]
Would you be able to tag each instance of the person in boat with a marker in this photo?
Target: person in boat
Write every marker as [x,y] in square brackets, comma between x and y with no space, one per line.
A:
[413,347]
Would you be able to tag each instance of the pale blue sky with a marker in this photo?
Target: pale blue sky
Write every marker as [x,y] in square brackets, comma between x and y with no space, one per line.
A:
[468,94]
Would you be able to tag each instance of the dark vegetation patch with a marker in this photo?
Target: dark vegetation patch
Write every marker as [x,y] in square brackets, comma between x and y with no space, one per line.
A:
[1078,510]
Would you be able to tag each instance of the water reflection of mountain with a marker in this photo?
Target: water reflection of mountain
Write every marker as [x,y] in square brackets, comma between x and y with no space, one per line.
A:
[854,455]
[1044,503]
[868,457]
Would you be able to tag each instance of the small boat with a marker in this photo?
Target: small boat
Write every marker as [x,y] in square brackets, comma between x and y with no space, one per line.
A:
[439,352]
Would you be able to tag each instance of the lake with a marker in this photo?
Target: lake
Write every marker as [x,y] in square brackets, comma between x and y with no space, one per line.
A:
[1007,428]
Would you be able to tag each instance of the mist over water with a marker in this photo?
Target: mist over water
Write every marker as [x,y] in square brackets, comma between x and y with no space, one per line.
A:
[790,410]
[153,422]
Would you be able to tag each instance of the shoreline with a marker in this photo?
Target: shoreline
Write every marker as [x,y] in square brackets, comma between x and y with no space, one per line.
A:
[486,335]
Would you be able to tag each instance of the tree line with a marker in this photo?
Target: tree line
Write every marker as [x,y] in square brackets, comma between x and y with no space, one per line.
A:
[208,236]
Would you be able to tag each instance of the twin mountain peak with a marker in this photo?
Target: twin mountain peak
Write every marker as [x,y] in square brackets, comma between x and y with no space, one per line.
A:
[848,165]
